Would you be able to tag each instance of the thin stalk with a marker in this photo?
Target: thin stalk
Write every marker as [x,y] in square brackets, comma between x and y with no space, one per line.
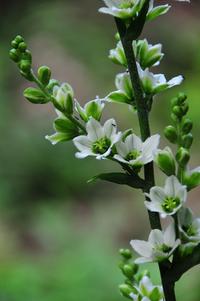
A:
[143,118]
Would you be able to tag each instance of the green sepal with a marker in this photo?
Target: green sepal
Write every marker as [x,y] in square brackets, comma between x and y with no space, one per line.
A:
[119,97]
[155,294]
[157,11]
[59,137]
[36,96]
[65,125]
[121,178]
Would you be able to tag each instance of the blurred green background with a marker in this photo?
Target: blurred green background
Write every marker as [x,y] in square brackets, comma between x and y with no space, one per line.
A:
[59,236]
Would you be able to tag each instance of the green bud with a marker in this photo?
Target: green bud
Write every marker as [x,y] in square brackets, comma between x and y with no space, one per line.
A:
[182,156]
[52,84]
[14,44]
[174,118]
[187,126]
[25,66]
[128,270]
[126,290]
[181,98]
[64,97]
[187,249]
[22,47]
[14,55]
[28,56]
[174,101]
[165,161]
[171,134]
[187,140]
[126,253]
[44,75]
[185,108]
[94,109]
[35,96]
[177,111]
[19,39]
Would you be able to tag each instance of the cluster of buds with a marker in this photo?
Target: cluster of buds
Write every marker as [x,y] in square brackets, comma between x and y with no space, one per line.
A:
[137,285]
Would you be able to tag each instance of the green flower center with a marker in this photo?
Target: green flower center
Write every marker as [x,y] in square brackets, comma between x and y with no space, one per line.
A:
[170,203]
[101,145]
[133,155]
[164,248]
[190,230]
[127,4]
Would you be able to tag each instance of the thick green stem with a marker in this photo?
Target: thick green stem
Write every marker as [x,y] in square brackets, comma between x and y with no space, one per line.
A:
[143,118]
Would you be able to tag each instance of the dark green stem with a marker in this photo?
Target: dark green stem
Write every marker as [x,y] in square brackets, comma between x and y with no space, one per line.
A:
[143,118]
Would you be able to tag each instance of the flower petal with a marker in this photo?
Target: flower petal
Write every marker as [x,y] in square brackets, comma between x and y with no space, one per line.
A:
[156,237]
[94,130]
[142,247]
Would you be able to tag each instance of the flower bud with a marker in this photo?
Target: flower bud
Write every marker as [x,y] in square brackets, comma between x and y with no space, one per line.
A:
[192,178]
[52,84]
[165,161]
[22,47]
[187,126]
[35,96]
[125,290]
[181,98]
[174,101]
[185,108]
[126,253]
[177,110]
[171,134]
[182,156]
[25,66]
[143,274]
[128,270]
[64,96]
[18,39]
[44,75]
[14,55]
[187,249]
[187,140]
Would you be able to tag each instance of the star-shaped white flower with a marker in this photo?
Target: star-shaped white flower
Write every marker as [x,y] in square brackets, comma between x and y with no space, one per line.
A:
[99,140]
[160,245]
[155,83]
[167,200]
[134,152]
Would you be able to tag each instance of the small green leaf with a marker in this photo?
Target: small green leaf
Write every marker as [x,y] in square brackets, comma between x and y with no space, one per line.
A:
[35,95]
[121,178]
[65,125]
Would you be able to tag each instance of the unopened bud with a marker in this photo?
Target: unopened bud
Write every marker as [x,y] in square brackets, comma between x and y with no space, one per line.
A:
[177,110]
[35,96]
[126,253]
[44,75]
[182,156]
[14,55]
[165,161]
[187,140]
[25,66]
[181,98]
[64,96]
[125,290]
[171,134]
[22,46]
[187,126]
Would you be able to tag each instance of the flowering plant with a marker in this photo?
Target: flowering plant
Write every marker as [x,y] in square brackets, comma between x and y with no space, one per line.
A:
[176,248]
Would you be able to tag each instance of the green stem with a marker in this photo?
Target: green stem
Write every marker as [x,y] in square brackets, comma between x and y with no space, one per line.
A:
[143,118]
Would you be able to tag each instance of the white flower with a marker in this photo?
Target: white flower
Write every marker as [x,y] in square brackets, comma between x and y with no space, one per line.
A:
[145,290]
[160,245]
[167,200]
[135,152]
[123,9]
[117,55]
[156,83]
[64,96]
[99,140]
[189,225]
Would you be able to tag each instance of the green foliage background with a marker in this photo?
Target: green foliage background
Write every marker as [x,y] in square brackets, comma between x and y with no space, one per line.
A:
[58,235]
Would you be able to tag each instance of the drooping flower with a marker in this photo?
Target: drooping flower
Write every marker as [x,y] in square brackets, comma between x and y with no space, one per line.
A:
[134,152]
[167,200]
[160,245]
[189,225]
[99,139]
[146,291]
[155,83]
